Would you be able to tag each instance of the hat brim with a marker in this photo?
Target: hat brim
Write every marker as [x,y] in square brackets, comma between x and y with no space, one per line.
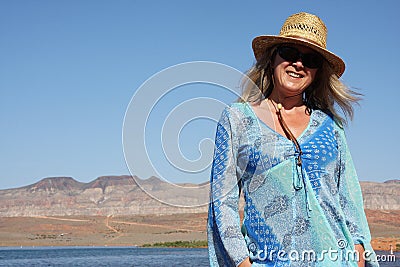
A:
[261,43]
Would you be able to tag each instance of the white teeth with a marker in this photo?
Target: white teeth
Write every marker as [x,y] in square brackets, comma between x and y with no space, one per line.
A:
[295,75]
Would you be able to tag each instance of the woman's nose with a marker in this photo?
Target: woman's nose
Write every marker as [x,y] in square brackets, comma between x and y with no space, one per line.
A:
[298,63]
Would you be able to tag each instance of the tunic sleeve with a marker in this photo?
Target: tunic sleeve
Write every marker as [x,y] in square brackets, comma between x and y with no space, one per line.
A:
[226,243]
[351,201]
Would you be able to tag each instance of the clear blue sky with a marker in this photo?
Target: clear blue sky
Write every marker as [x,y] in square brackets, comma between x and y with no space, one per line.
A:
[68,70]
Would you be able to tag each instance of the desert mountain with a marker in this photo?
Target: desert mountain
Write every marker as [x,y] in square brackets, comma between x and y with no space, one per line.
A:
[106,195]
[121,195]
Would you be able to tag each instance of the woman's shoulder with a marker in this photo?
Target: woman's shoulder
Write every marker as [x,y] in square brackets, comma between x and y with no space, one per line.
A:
[237,113]
[326,115]
[240,106]
[323,116]
[238,109]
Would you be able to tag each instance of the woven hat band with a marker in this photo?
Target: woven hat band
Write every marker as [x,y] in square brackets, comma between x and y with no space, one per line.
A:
[305,26]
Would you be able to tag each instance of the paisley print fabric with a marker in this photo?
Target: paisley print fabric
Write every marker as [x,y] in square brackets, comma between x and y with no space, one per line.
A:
[293,216]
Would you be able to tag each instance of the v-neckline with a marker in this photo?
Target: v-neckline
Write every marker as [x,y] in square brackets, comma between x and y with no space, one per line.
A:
[279,134]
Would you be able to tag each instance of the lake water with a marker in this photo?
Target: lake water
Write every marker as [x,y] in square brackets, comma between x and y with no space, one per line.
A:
[100,256]
[116,256]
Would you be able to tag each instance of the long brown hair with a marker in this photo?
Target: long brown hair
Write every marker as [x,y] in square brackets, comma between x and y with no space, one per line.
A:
[325,92]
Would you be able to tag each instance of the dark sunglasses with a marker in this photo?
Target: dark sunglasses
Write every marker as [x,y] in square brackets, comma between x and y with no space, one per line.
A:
[309,60]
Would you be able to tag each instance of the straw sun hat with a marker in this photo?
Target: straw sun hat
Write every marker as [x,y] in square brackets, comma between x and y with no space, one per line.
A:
[303,29]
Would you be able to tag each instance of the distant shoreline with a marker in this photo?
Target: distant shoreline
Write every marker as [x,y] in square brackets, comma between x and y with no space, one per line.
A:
[148,231]
[178,244]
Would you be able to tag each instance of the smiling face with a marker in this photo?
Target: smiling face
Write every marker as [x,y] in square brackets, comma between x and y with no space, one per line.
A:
[292,78]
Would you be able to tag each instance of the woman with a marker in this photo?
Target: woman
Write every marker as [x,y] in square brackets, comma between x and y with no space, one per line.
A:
[283,145]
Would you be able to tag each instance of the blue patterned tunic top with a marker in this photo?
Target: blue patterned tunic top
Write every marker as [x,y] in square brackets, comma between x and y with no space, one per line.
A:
[293,216]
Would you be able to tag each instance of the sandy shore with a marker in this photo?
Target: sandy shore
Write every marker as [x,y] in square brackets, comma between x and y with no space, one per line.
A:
[101,231]
[139,230]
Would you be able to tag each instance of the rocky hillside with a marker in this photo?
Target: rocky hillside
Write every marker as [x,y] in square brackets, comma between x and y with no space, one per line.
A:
[107,195]
[381,196]
[121,195]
